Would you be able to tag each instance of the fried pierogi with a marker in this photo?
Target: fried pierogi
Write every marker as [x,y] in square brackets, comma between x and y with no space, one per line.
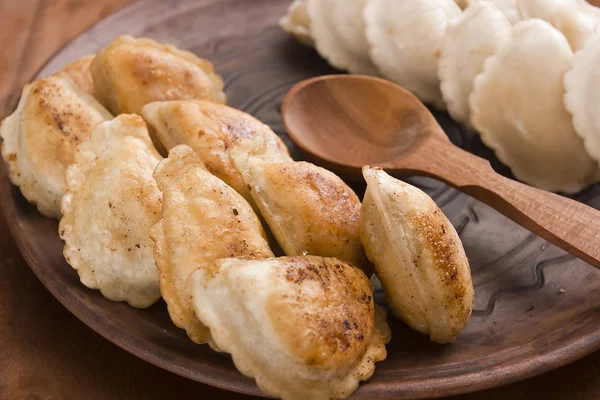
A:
[418,257]
[309,209]
[303,327]
[202,219]
[53,116]
[129,73]
[110,205]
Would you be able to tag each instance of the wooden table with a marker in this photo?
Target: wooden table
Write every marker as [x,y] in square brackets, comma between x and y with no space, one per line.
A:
[45,352]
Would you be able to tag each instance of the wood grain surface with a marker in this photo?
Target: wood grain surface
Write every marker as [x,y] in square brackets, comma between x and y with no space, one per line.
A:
[45,352]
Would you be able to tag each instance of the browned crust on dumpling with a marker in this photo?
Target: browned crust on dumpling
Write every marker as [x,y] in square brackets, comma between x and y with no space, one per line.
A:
[130,73]
[323,210]
[418,257]
[309,209]
[448,258]
[40,137]
[303,327]
[337,335]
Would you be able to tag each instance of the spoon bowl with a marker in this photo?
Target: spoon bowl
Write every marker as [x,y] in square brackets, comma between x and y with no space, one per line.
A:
[354,120]
[348,121]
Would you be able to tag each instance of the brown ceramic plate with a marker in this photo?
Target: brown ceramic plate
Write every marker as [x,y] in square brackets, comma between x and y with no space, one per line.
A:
[522,324]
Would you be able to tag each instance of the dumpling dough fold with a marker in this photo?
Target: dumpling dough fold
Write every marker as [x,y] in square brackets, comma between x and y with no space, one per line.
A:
[582,98]
[508,7]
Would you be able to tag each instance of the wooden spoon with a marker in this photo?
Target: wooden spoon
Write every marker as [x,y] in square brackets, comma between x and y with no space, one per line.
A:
[348,121]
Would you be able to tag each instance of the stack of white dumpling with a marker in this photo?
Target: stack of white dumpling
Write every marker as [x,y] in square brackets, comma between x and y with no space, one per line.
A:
[522,73]
[189,227]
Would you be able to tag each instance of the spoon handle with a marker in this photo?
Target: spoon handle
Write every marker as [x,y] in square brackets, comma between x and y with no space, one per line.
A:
[568,224]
